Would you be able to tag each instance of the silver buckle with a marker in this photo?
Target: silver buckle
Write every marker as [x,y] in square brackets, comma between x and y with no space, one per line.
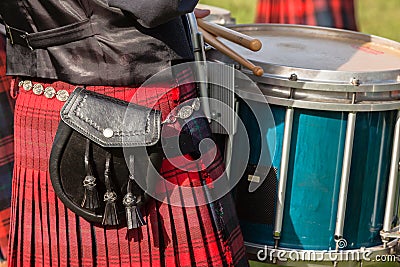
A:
[24,35]
[183,113]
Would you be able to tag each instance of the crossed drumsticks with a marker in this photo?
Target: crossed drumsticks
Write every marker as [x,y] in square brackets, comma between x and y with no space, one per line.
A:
[210,32]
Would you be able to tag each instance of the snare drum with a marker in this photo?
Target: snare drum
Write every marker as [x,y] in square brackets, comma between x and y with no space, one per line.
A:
[335,99]
[218,15]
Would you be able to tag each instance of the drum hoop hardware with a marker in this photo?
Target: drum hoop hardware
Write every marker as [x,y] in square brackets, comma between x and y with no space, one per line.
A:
[393,233]
[335,86]
[355,82]
[293,77]
[328,106]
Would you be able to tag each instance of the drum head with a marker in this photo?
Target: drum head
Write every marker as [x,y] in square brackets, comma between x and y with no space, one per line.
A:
[318,50]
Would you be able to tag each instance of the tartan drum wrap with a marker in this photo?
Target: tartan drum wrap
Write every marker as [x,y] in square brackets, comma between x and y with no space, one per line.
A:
[45,233]
[328,13]
[6,150]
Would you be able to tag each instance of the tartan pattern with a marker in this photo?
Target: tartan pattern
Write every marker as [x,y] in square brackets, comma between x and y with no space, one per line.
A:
[43,232]
[328,13]
[6,150]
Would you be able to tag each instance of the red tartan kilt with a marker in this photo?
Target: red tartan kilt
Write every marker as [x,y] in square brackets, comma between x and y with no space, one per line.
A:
[44,232]
[6,149]
[328,13]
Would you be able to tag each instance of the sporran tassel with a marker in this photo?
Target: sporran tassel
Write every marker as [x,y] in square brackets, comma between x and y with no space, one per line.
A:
[110,217]
[90,198]
[134,218]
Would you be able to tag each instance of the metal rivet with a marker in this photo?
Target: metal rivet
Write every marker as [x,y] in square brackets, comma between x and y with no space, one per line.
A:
[108,133]
[27,85]
[62,95]
[49,92]
[38,89]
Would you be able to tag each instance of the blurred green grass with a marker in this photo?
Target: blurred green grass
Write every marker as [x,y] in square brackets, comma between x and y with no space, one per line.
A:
[378,17]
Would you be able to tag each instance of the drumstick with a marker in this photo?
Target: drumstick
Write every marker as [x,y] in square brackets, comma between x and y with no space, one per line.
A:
[231,35]
[212,40]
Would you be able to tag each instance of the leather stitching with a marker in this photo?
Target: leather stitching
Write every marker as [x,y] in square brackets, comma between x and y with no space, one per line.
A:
[80,103]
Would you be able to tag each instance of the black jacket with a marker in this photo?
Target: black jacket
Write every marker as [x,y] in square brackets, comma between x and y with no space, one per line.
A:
[114,42]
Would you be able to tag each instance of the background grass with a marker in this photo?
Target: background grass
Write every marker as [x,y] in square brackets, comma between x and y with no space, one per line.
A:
[378,17]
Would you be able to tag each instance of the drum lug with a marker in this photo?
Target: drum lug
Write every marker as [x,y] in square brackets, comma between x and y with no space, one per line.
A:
[392,234]
[355,82]
[237,66]
[293,77]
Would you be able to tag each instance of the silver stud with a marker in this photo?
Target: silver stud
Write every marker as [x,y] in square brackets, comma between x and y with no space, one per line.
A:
[185,112]
[62,95]
[196,104]
[108,133]
[49,92]
[27,85]
[38,89]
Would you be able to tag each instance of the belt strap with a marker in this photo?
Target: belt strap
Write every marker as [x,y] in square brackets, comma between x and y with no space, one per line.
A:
[58,36]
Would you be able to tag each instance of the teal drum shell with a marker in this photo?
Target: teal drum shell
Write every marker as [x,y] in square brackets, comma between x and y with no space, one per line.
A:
[314,176]
[324,76]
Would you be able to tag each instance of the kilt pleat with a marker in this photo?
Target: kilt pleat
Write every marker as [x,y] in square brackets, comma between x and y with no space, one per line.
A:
[45,233]
[329,13]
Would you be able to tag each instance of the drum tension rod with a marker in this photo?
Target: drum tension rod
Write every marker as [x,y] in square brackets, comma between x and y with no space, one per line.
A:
[354,98]
[286,142]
